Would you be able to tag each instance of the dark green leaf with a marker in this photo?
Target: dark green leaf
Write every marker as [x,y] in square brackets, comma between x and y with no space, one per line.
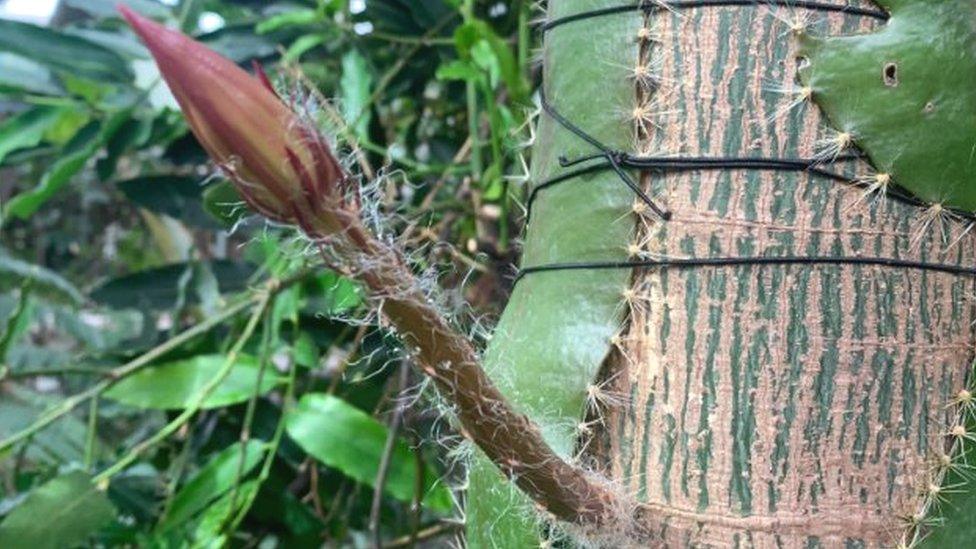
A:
[348,439]
[159,288]
[76,154]
[27,129]
[19,73]
[62,513]
[63,52]
[62,442]
[213,480]
[175,385]
[175,196]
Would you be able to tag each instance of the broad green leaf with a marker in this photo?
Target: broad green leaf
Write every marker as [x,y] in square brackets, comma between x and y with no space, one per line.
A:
[215,479]
[15,271]
[346,438]
[175,385]
[76,154]
[19,73]
[63,52]
[355,86]
[175,196]
[159,288]
[28,128]
[62,513]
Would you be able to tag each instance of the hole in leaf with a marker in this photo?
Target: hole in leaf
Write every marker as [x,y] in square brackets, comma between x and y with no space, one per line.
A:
[891,75]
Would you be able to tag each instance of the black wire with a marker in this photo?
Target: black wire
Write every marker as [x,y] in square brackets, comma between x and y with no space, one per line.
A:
[618,161]
[649,6]
[746,261]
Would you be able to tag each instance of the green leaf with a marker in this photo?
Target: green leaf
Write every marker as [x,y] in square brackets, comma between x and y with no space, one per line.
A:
[19,73]
[105,9]
[159,288]
[175,385]
[63,52]
[458,70]
[62,513]
[303,44]
[76,154]
[355,87]
[27,129]
[215,479]
[305,352]
[291,18]
[346,438]
[331,293]
[175,196]
[222,201]
[466,39]
[210,531]
[61,442]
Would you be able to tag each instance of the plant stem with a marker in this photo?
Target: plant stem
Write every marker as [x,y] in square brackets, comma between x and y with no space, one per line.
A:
[91,434]
[379,485]
[187,413]
[133,366]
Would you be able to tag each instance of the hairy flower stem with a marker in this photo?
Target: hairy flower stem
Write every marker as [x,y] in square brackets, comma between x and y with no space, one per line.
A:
[510,439]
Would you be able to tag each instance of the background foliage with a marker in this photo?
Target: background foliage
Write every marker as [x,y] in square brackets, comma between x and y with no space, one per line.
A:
[194,362]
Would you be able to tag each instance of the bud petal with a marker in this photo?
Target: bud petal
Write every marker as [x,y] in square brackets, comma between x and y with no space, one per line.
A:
[282,166]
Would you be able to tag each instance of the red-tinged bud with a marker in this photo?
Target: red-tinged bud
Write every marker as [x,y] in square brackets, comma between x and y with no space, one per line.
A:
[281,165]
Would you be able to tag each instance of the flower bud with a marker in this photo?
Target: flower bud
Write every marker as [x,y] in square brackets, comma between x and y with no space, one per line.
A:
[281,166]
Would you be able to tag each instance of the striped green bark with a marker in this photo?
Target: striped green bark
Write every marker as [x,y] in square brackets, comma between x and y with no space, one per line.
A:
[766,405]
[775,405]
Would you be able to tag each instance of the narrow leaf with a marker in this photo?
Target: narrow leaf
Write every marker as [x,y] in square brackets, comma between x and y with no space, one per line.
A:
[355,86]
[212,481]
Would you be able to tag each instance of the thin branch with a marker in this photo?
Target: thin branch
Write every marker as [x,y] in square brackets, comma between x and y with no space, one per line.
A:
[199,398]
[428,533]
[117,374]
[384,469]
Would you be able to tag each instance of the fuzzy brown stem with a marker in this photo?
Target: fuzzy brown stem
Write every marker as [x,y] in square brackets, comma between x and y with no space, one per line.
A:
[510,439]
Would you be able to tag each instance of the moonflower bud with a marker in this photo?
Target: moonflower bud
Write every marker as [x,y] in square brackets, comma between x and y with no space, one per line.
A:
[281,165]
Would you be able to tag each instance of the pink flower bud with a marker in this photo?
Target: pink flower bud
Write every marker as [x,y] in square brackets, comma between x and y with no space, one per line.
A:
[281,165]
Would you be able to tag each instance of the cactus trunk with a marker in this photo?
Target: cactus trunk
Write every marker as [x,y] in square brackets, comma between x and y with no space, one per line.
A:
[764,405]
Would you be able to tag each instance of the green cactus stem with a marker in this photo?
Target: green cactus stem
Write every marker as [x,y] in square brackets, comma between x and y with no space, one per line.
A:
[906,95]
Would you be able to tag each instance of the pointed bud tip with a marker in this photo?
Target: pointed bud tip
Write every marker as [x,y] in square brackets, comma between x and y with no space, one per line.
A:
[148,30]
